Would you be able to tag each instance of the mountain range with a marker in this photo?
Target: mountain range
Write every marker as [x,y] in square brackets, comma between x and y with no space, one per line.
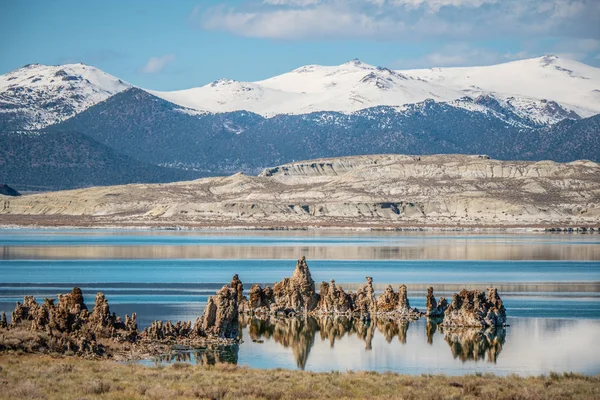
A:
[73,125]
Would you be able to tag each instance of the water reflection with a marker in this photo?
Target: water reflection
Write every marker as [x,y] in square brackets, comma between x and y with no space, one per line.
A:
[475,344]
[431,250]
[299,335]
[340,245]
[208,356]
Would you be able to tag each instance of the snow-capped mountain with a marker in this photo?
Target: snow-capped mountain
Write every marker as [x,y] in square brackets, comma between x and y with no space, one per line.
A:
[39,95]
[345,88]
[544,90]
[574,85]
[534,92]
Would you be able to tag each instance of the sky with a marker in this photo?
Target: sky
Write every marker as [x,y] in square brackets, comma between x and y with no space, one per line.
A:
[187,43]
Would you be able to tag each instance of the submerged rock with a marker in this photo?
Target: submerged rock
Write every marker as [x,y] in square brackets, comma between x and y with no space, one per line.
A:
[471,308]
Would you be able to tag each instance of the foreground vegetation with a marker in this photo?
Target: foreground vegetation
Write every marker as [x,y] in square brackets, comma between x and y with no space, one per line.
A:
[46,377]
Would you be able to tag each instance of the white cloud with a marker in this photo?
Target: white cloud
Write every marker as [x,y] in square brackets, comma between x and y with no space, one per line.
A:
[576,49]
[157,64]
[459,55]
[436,5]
[324,21]
[298,3]
[403,19]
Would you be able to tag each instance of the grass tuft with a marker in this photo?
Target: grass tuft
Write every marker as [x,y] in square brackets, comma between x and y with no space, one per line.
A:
[48,378]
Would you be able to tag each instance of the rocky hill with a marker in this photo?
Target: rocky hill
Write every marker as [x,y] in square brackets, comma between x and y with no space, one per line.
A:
[382,190]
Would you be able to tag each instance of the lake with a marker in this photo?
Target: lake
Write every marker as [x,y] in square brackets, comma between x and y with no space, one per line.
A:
[549,284]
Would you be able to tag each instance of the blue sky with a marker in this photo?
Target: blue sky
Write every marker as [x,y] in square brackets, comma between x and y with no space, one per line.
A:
[187,43]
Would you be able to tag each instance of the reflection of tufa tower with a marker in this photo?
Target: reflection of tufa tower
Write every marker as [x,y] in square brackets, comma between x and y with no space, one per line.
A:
[299,334]
[391,328]
[474,344]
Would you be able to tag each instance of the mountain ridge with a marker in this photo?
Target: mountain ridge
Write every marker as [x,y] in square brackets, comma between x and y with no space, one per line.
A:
[129,125]
[370,191]
[355,85]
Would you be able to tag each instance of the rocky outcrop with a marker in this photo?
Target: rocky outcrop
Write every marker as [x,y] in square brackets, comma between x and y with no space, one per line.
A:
[471,308]
[68,326]
[161,331]
[390,303]
[296,294]
[3,322]
[220,317]
[404,309]
[435,310]
[238,287]
[260,300]
[388,300]
[364,191]
[364,300]
[333,299]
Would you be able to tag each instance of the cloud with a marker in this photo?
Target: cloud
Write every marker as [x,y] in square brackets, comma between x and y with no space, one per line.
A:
[397,20]
[576,49]
[157,64]
[460,55]
[298,3]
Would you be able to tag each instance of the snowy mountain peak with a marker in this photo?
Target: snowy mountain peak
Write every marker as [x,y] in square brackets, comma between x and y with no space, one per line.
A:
[550,87]
[548,59]
[357,63]
[541,90]
[41,95]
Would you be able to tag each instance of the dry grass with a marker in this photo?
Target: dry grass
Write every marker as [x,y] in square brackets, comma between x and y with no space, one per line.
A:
[45,377]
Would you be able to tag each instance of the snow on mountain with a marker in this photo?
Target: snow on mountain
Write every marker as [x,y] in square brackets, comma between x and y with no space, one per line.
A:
[538,91]
[41,95]
[544,90]
[349,87]
[574,85]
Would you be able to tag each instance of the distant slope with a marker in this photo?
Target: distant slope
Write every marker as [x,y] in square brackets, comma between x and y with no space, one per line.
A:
[155,131]
[42,160]
[567,138]
[363,191]
[7,190]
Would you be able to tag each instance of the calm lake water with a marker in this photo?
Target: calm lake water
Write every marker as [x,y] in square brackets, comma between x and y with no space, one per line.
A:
[170,274]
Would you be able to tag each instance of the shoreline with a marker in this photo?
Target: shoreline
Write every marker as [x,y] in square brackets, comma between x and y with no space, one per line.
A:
[504,287]
[351,227]
[35,376]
